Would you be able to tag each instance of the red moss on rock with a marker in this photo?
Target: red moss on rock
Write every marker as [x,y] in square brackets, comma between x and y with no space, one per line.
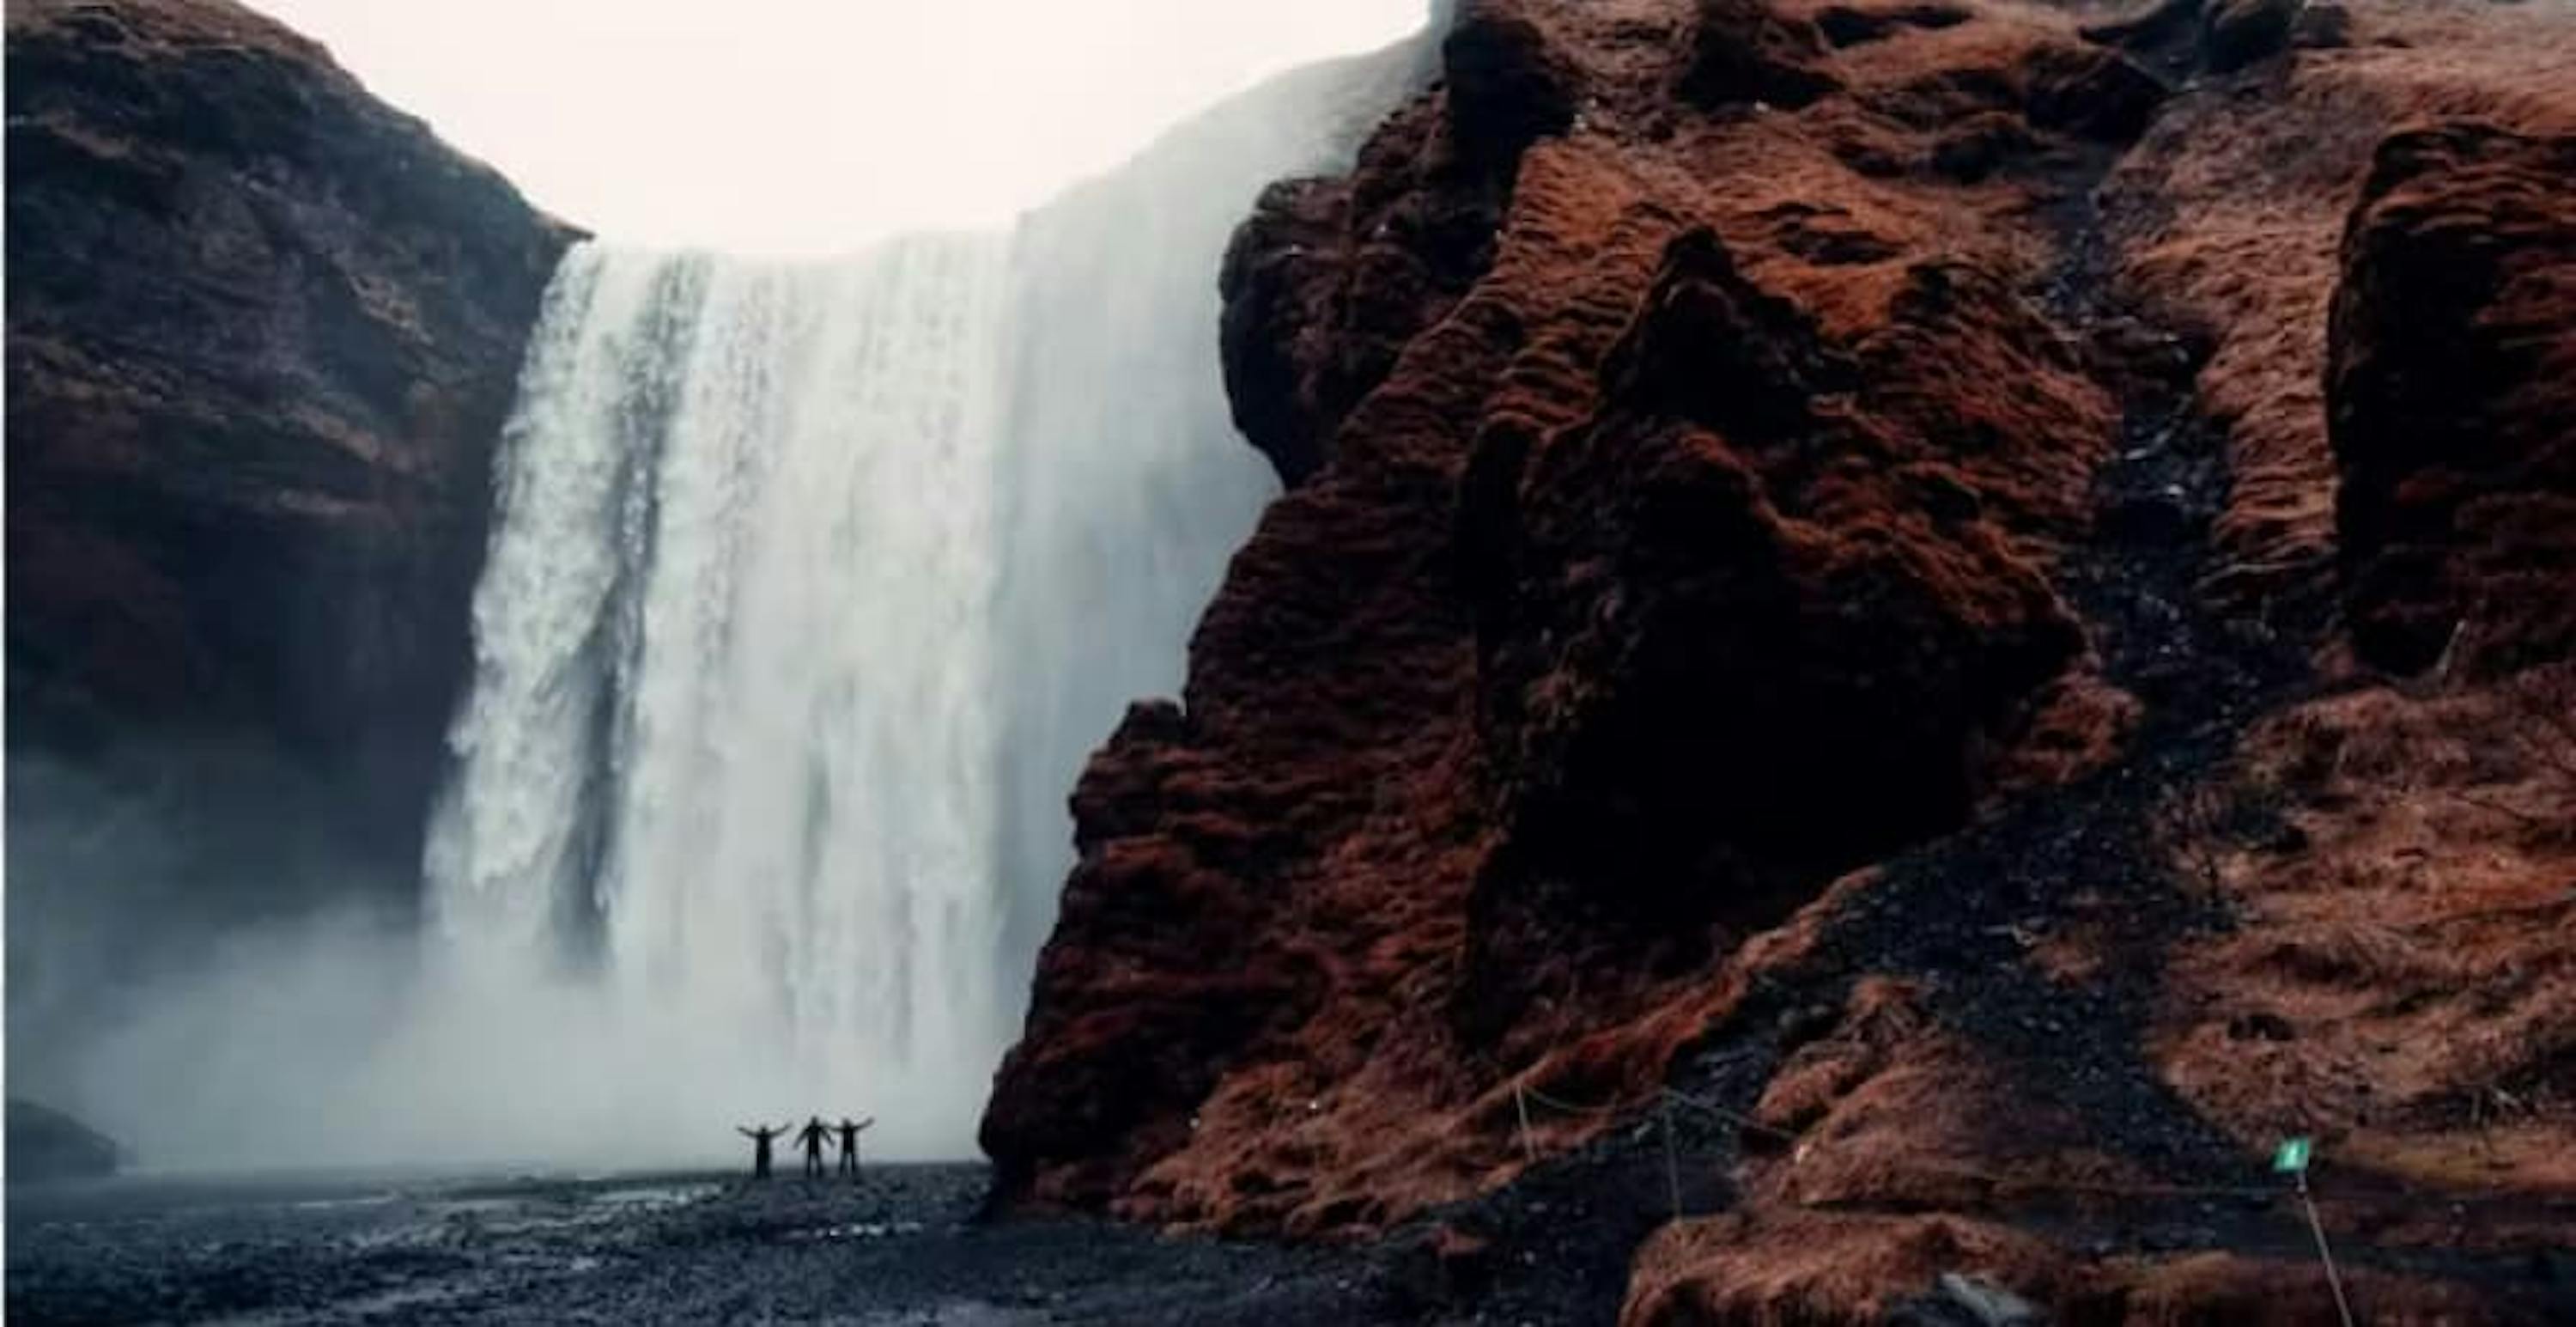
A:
[2229,217]
[2452,399]
[1703,627]
[1633,534]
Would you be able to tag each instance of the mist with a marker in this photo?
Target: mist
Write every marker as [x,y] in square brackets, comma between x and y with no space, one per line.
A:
[660,880]
[200,968]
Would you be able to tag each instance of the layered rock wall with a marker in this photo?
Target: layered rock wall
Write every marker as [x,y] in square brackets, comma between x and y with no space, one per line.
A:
[1978,589]
[262,333]
[1647,566]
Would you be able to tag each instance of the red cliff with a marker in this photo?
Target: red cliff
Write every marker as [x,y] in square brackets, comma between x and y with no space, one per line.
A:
[1839,563]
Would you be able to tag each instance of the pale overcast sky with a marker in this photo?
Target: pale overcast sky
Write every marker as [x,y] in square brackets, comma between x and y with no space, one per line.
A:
[808,126]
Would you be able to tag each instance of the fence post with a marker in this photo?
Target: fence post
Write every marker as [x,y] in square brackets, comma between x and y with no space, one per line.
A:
[2334,1279]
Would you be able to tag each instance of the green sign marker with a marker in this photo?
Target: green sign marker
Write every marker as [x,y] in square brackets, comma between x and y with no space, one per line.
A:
[2292,1159]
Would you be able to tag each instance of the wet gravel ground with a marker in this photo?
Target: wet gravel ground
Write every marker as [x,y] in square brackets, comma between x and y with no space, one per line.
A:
[899,1246]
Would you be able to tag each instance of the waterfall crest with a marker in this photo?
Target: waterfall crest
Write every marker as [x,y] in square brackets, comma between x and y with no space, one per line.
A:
[811,586]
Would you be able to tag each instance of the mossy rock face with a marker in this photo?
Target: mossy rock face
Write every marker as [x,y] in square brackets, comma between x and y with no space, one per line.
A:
[45,1144]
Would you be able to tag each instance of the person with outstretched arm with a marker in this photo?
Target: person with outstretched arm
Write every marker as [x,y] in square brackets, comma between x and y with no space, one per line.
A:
[760,1139]
[812,1136]
[850,1143]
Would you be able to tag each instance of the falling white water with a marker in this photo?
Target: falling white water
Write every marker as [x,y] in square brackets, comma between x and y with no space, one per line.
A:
[810,587]
[732,742]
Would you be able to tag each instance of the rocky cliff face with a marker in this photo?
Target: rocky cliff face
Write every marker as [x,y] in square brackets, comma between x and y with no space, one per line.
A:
[262,332]
[2451,383]
[1840,563]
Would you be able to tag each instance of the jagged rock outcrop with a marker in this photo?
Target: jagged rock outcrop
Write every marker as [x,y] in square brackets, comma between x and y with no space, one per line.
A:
[262,333]
[1630,589]
[1805,583]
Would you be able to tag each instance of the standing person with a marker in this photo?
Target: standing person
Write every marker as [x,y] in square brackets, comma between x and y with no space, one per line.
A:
[760,1139]
[812,1136]
[850,1143]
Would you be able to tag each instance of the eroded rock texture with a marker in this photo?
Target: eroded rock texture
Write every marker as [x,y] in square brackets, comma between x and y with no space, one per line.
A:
[262,334]
[2451,394]
[1811,529]
[1650,562]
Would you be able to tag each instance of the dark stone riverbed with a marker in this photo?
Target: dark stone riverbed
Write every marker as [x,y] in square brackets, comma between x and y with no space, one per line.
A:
[900,1246]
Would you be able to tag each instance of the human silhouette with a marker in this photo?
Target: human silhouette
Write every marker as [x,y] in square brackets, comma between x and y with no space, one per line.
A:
[850,1143]
[760,1139]
[812,1136]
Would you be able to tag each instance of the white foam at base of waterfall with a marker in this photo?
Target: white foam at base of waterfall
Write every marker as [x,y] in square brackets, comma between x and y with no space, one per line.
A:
[811,584]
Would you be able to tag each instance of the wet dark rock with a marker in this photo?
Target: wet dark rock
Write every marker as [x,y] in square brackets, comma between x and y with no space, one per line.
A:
[2150,517]
[2321,25]
[2092,93]
[1443,1267]
[1507,86]
[1277,283]
[899,1245]
[1844,25]
[2237,33]
[1984,145]
[262,334]
[2451,399]
[1745,51]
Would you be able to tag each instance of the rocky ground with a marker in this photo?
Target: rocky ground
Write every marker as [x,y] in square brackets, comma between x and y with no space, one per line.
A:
[901,1246]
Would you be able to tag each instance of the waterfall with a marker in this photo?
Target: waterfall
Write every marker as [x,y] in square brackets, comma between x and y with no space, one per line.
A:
[810,587]
[733,734]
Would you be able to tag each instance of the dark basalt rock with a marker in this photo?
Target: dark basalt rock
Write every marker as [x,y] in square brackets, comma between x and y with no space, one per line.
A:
[1745,51]
[2091,93]
[262,333]
[1507,86]
[1844,25]
[2321,27]
[2237,33]
[1277,282]
[1983,145]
